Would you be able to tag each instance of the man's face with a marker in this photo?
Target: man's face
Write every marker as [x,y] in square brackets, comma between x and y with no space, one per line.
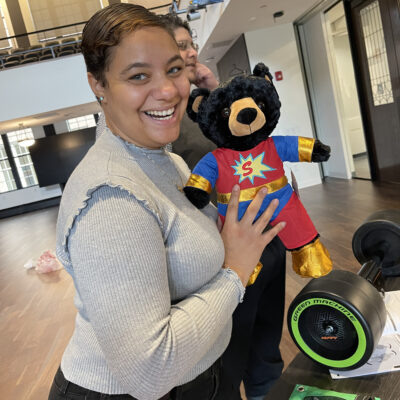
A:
[188,52]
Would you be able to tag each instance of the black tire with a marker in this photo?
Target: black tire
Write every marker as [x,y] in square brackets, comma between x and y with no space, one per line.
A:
[337,320]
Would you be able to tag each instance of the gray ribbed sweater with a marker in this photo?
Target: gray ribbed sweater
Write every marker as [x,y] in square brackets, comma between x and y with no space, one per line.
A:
[154,305]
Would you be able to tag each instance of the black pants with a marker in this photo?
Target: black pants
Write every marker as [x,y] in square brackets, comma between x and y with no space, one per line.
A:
[204,387]
[253,353]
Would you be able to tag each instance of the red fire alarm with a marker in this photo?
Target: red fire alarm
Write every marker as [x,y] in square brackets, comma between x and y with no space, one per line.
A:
[278,75]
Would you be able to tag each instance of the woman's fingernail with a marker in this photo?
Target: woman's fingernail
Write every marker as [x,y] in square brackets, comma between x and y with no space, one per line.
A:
[235,188]
[264,190]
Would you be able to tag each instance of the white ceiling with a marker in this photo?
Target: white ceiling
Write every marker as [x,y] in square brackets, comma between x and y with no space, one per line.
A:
[239,16]
[249,15]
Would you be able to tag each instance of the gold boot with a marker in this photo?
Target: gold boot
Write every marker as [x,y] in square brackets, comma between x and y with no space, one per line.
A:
[312,260]
[254,274]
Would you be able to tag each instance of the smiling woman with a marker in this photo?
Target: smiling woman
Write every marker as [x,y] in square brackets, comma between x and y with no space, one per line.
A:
[154,303]
[145,90]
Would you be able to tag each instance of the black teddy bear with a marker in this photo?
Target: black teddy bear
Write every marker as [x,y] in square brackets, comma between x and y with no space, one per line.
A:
[239,117]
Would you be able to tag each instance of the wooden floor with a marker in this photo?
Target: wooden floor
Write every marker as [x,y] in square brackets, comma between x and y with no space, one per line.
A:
[37,311]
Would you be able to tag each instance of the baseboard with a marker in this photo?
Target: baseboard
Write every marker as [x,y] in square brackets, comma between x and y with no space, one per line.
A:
[25,208]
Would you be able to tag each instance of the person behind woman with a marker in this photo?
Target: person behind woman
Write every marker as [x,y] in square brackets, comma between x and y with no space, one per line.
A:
[156,284]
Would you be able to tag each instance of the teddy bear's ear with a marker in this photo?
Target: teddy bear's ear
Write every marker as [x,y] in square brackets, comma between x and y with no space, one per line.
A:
[195,99]
[263,71]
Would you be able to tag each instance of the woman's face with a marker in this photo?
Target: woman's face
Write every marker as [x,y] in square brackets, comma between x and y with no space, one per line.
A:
[189,55]
[147,88]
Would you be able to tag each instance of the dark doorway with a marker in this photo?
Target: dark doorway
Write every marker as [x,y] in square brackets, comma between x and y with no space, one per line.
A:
[375,31]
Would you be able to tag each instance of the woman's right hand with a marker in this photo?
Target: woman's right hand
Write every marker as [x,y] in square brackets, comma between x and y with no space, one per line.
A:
[244,240]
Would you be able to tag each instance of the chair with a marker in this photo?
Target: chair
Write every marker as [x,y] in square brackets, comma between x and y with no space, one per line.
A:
[45,57]
[46,52]
[34,54]
[29,60]
[10,64]
[12,58]
[65,53]
[66,47]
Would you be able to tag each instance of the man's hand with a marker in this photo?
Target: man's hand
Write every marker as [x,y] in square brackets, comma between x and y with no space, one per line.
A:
[205,78]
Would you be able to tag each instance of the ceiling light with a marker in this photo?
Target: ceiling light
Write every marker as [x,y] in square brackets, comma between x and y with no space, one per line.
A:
[24,139]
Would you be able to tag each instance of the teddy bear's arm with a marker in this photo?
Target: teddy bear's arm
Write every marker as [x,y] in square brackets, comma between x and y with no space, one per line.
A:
[301,149]
[201,181]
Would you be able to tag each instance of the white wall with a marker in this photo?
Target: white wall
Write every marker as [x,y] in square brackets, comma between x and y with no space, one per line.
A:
[42,87]
[348,95]
[28,195]
[281,54]
[326,112]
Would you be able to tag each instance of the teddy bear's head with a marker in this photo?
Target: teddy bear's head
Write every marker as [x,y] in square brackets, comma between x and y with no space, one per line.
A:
[240,113]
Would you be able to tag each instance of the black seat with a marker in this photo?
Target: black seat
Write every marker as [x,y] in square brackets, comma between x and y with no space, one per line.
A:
[29,60]
[10,64]
[12,58]
[65,53]
[33,54]
[45,57]
[66,47]
[46,51]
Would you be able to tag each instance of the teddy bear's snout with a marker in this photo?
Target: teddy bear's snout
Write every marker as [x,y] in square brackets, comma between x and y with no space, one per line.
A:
[247,115]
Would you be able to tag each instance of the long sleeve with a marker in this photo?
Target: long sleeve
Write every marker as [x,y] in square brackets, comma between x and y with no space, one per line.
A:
[121,272]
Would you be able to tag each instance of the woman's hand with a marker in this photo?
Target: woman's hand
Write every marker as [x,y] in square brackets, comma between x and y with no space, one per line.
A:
[244,240]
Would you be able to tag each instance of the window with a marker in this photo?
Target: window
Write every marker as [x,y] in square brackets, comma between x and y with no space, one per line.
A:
[4,44]
[87,121]
[381,85]
[7,181]
[16,167]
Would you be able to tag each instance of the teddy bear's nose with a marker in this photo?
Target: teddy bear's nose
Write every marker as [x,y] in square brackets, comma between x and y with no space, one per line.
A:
[247,116]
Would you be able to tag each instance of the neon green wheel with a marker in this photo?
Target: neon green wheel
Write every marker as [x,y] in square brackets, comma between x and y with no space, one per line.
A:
[337,320]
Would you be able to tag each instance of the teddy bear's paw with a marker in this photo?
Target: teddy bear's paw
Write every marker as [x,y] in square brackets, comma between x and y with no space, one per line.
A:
[199,198]
[312,260]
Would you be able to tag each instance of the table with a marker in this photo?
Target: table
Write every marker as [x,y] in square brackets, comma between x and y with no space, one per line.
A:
[303,370]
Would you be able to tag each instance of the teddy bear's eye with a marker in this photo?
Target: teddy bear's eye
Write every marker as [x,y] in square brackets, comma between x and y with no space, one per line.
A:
[226,112]
[261,105]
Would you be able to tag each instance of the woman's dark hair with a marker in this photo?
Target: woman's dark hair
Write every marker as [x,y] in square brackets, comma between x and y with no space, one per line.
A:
[172,22]
[105,30]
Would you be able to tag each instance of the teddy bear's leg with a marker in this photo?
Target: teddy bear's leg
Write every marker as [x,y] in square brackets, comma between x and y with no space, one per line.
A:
[312,260]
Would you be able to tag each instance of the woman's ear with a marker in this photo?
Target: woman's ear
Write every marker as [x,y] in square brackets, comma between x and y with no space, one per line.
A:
[96,86]
[195,99]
